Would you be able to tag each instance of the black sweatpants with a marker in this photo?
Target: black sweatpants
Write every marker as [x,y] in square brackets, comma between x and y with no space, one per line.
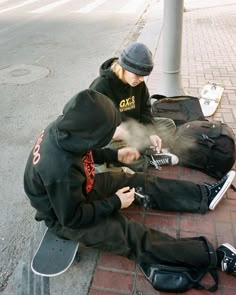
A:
[121,235]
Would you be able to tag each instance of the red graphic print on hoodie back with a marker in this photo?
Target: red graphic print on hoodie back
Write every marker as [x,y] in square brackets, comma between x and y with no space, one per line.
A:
[89,170]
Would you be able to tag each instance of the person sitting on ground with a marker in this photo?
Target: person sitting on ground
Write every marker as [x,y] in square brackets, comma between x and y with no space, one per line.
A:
[122,80]
[77,204]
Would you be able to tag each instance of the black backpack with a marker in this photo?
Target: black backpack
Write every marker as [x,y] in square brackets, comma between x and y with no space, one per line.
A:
[181,109]
[206,146]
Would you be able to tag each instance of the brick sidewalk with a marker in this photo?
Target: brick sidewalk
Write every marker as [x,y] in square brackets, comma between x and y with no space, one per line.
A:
[208,54]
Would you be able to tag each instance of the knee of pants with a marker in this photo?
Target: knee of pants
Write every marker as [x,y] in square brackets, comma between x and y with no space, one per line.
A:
[165,124]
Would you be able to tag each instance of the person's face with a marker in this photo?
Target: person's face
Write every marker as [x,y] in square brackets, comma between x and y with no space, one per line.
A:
[132,79]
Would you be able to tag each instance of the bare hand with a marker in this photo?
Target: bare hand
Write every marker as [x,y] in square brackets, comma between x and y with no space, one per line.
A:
[156,142]
[126,196]
[128,155]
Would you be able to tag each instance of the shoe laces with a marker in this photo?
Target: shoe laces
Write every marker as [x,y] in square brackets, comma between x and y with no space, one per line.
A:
[216,184]
[154,163]
[158,162]
[162,161]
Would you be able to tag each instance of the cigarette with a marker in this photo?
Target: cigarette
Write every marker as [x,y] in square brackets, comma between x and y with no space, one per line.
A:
[141,196]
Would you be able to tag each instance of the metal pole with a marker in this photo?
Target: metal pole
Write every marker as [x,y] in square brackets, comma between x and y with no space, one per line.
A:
[172,42]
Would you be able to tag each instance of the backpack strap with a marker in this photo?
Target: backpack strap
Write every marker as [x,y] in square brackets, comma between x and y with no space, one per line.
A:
[218,128]
[212,288]
[226,130]
[157,96]
[211,268]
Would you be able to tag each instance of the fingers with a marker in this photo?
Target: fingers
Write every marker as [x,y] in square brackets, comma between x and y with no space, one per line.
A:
[155,149]
[131,156]
[126,196]
[132,191]
[128,154]
[156,141]
[124,189]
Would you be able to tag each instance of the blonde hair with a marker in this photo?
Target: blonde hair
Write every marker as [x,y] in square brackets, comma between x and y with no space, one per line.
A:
[118,70]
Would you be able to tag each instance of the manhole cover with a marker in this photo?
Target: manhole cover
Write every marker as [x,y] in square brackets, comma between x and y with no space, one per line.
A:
[22,74]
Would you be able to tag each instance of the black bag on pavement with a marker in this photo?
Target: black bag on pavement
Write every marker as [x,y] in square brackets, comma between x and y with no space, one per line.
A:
[174,278]
[206,146]
[181,109]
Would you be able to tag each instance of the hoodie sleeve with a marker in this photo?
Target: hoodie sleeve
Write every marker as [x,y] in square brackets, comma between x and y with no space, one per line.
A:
[146,115]
[74,210]
[105,155]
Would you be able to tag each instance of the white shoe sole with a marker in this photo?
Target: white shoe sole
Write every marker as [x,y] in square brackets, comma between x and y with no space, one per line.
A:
[223,264]
[230,247]
[219,196]
[174,160]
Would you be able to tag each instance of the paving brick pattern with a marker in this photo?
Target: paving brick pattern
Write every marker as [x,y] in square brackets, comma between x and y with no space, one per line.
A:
[208,54]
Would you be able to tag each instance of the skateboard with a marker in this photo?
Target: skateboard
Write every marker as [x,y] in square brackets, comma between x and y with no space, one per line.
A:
[54,255]
[210,97]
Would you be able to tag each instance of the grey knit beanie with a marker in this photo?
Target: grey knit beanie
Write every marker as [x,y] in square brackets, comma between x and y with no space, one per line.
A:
[137,59]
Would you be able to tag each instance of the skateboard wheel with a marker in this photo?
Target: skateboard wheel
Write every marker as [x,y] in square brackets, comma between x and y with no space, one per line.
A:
[77,256]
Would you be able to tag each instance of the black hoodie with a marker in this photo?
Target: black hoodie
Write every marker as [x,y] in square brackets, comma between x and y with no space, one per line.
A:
[132,102]
[60,169]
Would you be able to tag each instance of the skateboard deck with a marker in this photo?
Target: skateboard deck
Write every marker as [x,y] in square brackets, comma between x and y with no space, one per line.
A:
[54,255]
[210,97]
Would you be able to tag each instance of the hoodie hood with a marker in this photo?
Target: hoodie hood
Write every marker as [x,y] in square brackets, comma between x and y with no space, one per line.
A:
[105,68]
[105,71]
[88,122]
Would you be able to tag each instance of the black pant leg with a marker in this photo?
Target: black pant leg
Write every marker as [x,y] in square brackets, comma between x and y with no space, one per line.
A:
[123,236]
[177,195]
[166,194]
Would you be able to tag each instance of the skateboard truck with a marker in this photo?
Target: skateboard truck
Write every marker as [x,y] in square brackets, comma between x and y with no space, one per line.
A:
[211,92]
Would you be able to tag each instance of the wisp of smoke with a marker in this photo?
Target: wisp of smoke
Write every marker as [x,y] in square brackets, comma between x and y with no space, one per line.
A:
[137,134]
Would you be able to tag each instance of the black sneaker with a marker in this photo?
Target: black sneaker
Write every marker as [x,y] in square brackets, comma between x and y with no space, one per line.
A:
[226,255]
[163,159]
[218,189]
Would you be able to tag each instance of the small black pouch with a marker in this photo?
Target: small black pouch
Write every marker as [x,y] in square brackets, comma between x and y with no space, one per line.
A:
[175,278]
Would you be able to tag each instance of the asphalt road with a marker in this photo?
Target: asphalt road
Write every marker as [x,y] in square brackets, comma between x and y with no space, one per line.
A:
[49,51]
